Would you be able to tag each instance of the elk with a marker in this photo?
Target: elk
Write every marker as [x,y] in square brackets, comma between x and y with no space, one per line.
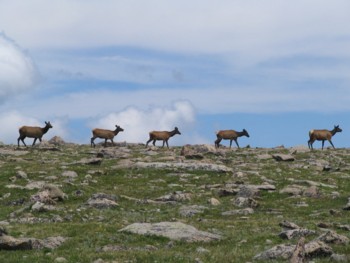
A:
[322,135]
[231,135]
[105,134]
[32,132]
[162,136]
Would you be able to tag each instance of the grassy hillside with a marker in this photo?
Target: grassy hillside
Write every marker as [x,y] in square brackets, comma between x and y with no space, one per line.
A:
[124,173]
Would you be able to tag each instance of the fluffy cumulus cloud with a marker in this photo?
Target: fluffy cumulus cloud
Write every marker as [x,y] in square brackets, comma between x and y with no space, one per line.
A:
[138,123]
[17,70]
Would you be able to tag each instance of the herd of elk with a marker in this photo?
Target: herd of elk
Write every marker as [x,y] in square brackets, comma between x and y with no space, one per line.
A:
[232,135]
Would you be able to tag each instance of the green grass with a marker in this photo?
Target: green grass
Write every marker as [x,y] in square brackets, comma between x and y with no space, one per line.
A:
[88,229]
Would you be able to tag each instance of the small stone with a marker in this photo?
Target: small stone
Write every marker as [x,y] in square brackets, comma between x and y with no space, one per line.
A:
[214,201]
[283,157]
[60,260]
[70,174]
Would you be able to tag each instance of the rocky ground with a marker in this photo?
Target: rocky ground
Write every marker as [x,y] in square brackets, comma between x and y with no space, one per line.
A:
[63,202]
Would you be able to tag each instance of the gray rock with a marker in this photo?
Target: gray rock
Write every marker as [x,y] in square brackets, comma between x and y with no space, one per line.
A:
[189,153]
[35,185]
[21,175]
[3,231]
[317,249]
[245,211]
[347,206]
[41,207]
[333,238]
[70,174]
[189,211]
[103,201]
[12,243]
[172,230]
[288,225]
[51,242]
[175,197]
[49,194]
[283,157]
[276,252]
[312,249]
[214,202]
[60,260]
[57,141]
[312,192]
[293,233]
[89,161]
[298,255]
[246,202]
[294,190]
[248,191]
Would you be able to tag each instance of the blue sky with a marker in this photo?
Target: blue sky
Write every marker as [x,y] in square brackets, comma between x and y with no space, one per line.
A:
[275,68]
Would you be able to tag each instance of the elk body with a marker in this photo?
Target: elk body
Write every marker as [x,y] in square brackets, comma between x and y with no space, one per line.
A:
[322,135]
[231,135]
[32,132]
[105,134]
[162,136]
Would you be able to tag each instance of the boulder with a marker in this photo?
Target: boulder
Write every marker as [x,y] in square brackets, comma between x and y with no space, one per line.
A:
[298,255]
[283,157]
[347,206]
[189,211]
[293,233]
[245,211]
[333,238]
[70,174]
[294,190]
[49,194]
[177,196]
[285,251]
[103,201]
[12,243]
[57,141]
[214,202]
[172,230]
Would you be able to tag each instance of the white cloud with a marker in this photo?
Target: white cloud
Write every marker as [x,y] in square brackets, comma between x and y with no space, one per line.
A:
[248,28]
[11,122]
[138,123]
[17,70]
[218,100]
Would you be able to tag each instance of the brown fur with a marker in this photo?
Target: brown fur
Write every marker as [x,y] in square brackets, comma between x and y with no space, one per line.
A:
[105,134]
[162,136]
[32,132]
[322,135]
[231,135]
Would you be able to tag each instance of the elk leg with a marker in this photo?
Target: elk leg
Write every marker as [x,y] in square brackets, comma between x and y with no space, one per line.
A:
[217,142]
[331,144]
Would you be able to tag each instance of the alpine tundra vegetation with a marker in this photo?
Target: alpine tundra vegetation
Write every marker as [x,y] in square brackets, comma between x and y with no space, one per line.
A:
[65,202]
